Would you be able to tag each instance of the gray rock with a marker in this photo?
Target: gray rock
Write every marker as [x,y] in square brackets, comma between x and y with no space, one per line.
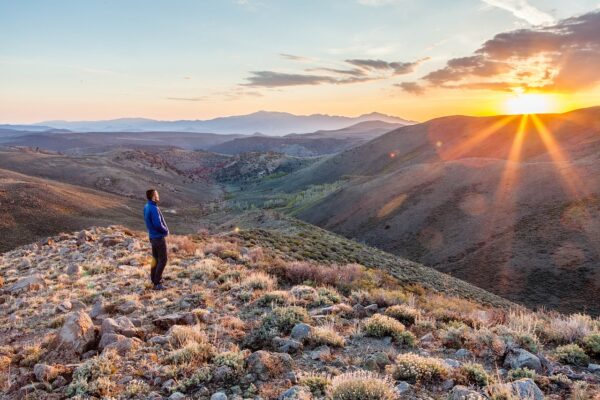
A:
[128,307]
[45,373]
[218,396]
[295,393]
[372,308]
[377,361]
[266,365]
[594,368]
[301,331]
[452,363]
[525,389]
[64,307]
[520,358]
[97,308]
[28,284]
[464,393]
[122,326]
[286,345]
[463,354]
[59,382]
[177,396]
[77,333]
[320,353]
[403,387]
[74,270]
[167,321]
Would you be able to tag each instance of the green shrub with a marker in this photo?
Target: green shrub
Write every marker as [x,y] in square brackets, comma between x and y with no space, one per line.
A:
[380,325]
[192,353]
[414,368]
[521,373]
[231,359]
[326,335]
[200,377]
[276,297]
[571,354]
[403,313]
[361,385]
[591,343]
[473,374]
[317,384]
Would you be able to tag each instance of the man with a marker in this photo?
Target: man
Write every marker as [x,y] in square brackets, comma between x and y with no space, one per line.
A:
[157,230]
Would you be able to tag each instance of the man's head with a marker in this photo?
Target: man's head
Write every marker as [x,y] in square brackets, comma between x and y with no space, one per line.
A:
[152,194]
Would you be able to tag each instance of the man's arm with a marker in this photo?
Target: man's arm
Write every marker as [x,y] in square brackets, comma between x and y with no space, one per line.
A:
[158,222]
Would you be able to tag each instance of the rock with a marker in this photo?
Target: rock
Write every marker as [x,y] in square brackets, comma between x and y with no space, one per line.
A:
[122,326]
[464,393]
[160,340]
[167,321]
[64,307]
[119,343]
[128,307]
[427,338]
[301,331]
[520,358]
[266,365]
[377,361]
[30,283]
[177,396]
[447,385]
[77,305]
[97,308]
[594,368]
[83,237]
[45,373]
[218,396]
[27,390]
[372,308]
[74,270]
[169,384]
[77,334]
[111,240]
[463,354]
[525,389]
[403,387]
[452,363]
[286,345]
[320,353]
[59,382]
[295,393]
[222,373]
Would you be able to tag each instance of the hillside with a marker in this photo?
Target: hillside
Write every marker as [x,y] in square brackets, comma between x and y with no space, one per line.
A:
[514,213]
[242,321]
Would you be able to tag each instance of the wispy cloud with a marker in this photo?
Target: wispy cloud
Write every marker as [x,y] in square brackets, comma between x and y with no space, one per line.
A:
[377,3]
[523,10]
[294,57]
[363,70]
[203,98]
[411,87]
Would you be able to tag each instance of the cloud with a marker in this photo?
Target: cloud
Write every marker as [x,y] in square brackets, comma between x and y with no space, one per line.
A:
[293,57]
[563,57]
[363,71]
[411,87]
[399,68]
[377,3]
[522,10]
[187,98]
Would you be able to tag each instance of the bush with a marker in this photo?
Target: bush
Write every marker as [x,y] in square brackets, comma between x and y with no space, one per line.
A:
[92,377]
[280,321]
[380,325]
[259,281]
[276,297]
[591,343]
[521,373]
[571,354]
[361,385]
[182,335]
[472,374]
[231,359]
[340,276]
[327,296]
[326,335]
[414,368]
[317,384]
[454,335]
[196,353]
[403,313]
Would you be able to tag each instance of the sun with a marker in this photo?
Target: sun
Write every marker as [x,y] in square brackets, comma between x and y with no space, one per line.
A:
[530,103]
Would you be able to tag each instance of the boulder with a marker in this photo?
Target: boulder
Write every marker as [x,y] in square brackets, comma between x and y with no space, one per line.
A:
[464,393]
[122,326]
[74,270]
[121,344]
[167,321]
[45,373]
[301,331]
[520,358]
[524,389]
[267,365]
[77,333]
[27,284]
[218,396]
[286,345]
[295,393]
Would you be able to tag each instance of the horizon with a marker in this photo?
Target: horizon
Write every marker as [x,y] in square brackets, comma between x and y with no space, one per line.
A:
[484,57]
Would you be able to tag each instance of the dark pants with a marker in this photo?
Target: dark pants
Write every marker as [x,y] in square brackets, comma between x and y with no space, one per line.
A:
[159,252]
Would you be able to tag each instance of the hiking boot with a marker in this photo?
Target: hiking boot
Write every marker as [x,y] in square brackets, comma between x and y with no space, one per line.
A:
[159,287]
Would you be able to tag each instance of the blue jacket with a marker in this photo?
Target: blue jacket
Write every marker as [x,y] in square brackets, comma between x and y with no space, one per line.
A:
[155,223]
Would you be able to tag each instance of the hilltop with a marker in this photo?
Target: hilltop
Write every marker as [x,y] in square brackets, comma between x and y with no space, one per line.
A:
[248,317]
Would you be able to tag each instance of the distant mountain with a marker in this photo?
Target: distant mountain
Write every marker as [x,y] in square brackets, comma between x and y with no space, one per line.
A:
[317,143]
[265,122]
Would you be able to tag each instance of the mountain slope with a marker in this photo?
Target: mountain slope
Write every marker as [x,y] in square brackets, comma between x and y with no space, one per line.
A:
[453,194]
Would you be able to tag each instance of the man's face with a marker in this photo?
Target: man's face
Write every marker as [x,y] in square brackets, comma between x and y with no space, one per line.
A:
[156,197]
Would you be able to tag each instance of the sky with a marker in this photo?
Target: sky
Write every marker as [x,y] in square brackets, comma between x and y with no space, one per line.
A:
[200,59]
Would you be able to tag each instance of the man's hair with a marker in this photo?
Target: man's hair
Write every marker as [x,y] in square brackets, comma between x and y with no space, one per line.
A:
[150,193]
